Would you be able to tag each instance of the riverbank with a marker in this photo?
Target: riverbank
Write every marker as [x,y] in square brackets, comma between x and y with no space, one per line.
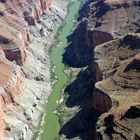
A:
[51,129]
[28,107]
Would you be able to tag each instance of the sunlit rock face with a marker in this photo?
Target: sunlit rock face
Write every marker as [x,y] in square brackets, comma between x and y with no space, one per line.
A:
[10,81]
[111,18]
[119,62]
[27,10]
[116,17]
[16,19]
[100,22]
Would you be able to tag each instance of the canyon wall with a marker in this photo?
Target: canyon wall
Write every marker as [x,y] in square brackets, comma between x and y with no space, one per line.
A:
[16,16]
[103,100]
[110,30]
[121,69]
[100,21]
[10,81]
[118,61]
[27,28]
[14,37]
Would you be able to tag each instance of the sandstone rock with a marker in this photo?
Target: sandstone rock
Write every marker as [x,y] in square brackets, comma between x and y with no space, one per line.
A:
[102,21]
[119,62]
[14,32]
[14,37]
[23,99]
[109,19]
[10,81]
[110,29]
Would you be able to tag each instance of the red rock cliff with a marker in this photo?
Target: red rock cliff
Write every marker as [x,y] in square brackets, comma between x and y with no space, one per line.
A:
[15,18]
[10,80]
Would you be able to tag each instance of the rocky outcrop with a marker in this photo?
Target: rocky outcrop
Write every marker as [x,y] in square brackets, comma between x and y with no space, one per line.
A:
[15,18]
[100,22]
[101,101]
[109,19]
[27,28]
[29,11]
[114,17]
[33,14]
[12,43]
[110,30]
[119,62]
[10,82]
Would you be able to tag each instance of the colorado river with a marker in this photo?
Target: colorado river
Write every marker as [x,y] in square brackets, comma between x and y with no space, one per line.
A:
[52,127]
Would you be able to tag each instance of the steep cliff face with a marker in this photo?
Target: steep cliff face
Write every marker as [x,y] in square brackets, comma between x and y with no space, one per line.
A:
[119,62]
[27,28]
[109,29]
[105,21]
[115,17]
[11,42]
[27,10]
[10,81]
[15,17]
[100,21]
[109,19]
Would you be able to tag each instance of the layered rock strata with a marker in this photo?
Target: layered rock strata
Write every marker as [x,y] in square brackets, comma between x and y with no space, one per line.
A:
[100,21]
[27,30]
[109,19]
[10,81]
[118,61]
[109,29]
[15,17]
[120,68]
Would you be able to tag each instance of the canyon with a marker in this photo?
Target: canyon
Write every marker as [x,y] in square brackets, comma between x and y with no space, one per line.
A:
[92,70]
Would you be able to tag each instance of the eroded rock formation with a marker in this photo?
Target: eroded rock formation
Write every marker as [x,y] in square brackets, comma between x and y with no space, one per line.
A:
[121,71]
[10,81]
[109,28]
[118,61]
[100,21]
[15,17]
[25,25]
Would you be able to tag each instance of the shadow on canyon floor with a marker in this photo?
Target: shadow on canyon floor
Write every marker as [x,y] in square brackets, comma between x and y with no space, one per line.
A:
[78,53]
[80,90]
[82,125]
[83,12]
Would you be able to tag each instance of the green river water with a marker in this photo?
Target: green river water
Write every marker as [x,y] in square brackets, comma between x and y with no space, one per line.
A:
[52,127]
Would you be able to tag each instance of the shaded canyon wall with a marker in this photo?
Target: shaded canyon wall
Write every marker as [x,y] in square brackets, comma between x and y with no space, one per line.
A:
[106,41]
